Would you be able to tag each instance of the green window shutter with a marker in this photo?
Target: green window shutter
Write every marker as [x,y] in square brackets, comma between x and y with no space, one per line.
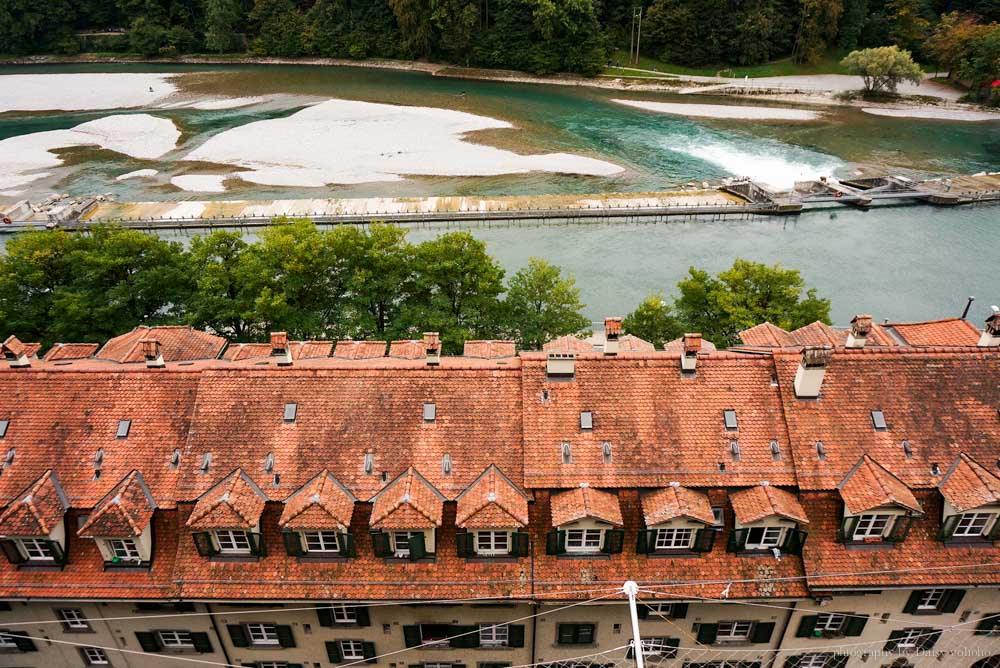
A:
[285,636]
[368,652]
[567,634]
[23,642]
[515,635]
[672,644]
[519,544]
[845,533]
[345,541]
[707,633]
[203,543]
[202,643]
[704,540]
[737,540]
[238,635]
[952,599]
[645,541]
[913,601]
[806,626]
[794,539]
[293,543]
[333,651]
[11,551]
[929,639]
[994,533]
[411,635]
[361,614]
[630,652]
[900,529]
[58,553]
[987,624]
[325,614]
[855,624]
[614,541]
[678,610]
[641,610]
[148,642]
[464,637]
[762,632]
[418,546]
[555,542]
[464,544]
[948,527]
[380,544]
[258,547]
[893,641]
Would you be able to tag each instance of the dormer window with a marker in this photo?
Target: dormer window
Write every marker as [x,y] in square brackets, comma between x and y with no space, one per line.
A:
[291,410]
[123,428]
[586,421]
[763,538]
[585,521]
[878,421]
[767,519]
[729,418]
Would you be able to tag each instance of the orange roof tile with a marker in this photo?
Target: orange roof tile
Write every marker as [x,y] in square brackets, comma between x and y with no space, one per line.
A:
[568,344]
[359,350]
[870,485]
[37,510]
[768,336]
[628,343]
[177,343]
[412,349]
[322,503]
[126,511]
[583,502]
[946,332]
[677,346]
[765,500]
[489,349]
[492,501]
[234,503]
[408,502]
[71,351]
[668,503]
[968,484]
[819,334]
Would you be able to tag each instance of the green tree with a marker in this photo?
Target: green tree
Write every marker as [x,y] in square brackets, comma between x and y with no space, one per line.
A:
[222,20]
[653,320]
[982,64]
[909,25]
[817,29]
[542,304]
[35,267]
[882,68]
[280,28]
[953,39]
[852,23]
[222,299]
[145,37]
[745,295]
[382,282]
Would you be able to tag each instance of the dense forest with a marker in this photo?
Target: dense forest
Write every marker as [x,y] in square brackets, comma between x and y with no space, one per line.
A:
[541,36]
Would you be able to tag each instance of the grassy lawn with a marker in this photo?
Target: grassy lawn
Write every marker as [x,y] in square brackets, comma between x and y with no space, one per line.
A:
[830,64]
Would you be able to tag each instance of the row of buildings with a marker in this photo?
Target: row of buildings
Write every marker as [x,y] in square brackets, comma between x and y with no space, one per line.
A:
[809,499]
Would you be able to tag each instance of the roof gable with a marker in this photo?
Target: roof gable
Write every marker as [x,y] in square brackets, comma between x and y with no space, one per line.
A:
[409,501]
[177,343]
[126,510]
[870,485]
[968,484]
[70,351]
[568,344]
[37,510]
[234,503]
[322,503]
[492,501]
[765,500]
[668,503]
[360,350]
[585,502]
[947,332]
[767,335]
[489,349]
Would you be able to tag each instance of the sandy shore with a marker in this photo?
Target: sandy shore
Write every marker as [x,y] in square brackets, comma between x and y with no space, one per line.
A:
[137,174]
[204,183]
[731,111]
[934,113]
[83,91]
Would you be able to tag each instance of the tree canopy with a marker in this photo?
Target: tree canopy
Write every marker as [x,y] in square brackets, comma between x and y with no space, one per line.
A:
[541,305]
[883,68]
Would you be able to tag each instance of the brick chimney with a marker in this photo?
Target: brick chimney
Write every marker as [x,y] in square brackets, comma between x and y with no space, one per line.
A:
[991,332]
[812,368]
[689,357]
[151,351]
[432,348]
[861,327]
[281,349]
[15,352]
[612,332]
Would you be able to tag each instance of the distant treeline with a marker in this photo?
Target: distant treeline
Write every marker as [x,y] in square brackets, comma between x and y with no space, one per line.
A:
[541,36]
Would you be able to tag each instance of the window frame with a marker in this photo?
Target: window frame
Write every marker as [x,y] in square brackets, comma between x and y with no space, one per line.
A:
[973,516]
[931,600]
[342,613]
[494,548]
[815,660]
[824,619]
[265,631]
[586,540]
[357,649]
[868,521]
[110,544]
[494,635]
[667,538]
[231,537]
[655,646]
[912,639]
[327,539]
[7,640]
[75,621]
[40,545]
[577,626]
[734,626]
[175,644]
[766,531]
[403,553]
[95,656]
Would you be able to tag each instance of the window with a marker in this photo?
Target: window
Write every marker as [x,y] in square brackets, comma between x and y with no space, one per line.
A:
[930,599]
[878,421]
[719,517]
[910,639]
[95,656]
[830,622]
[763,538]
[344,614]
[657,647]
[816,660]
[123,548]
[37,549]
[352,649]
[401,542]
[434,634]
[321,541]
[262,634]
[972,524]
[492,542]
[7,642]
[430,412]
[291,410]
[734,631]
[73,619]
[583,540]
[176,639]
[729,416]
[586,420]
[232,542]
[576,634]
[123,428]
[271,664]
[665,609]
[674,539]
[871,526]
[493,635]
[437,665]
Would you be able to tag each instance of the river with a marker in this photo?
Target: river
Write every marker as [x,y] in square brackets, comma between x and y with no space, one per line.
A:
[894,262]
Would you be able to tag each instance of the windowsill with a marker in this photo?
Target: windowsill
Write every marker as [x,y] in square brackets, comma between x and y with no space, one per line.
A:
[736,642]
[755,553]
[494,648]
[926,613]
[265,647]
[573,644]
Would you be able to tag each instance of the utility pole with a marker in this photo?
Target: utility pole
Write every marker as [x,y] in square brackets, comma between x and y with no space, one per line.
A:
[638,37]
[631,39]
[631,588]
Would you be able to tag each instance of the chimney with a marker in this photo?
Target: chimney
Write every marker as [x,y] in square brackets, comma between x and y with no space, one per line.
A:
[861,327]
[809,377]
[689,358]
[432,348]
[281,349]
[612,331]
[560,366]
[15,352]
[991,332]
[151,351]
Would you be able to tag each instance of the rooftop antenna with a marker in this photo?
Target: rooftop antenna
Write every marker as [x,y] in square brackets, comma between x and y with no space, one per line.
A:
[968,305]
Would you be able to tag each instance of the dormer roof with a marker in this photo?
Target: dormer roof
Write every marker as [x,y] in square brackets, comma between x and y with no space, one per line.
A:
[321,503]
[870,485]
[37,510]
[492,501]
[968,484]
[124,512]
[360,350]
[177,343]
[585,502]
[668,503]
[234,503]
[70,351]
[489,349]
[764,500]
[408,502]
[568,344]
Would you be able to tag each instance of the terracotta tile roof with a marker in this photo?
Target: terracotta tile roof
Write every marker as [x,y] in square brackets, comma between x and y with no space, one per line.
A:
[303,350]
[768,336]
[946,332]
[37,510]
[568,344]
[234,503]
[633,344]
[126,510]
[359,350]
[238,352]
[408,502]
[960,385]
[177,343]
[31,349]
[489,349]
[968,484]
[71,351]
[585,501]
[870,485]
[322,503]
[492,501]
[677,346]
[668,503]
[765,500]
[412,349]
[819,334]
[13,345]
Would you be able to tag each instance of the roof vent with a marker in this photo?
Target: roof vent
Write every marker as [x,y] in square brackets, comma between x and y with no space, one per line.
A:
[545,396]
[281,349]
[812,368]
[765,483]
[206,461]
[586,420]
[991,332]
[584,485]
[98,458]
[432,348]
[446,464]
[606,450]
[567,453]
[8,459]
[152,352]
[861,327]
[775,450]
[689,358]
[820,449]
[269,462]
[935,469]
[314,498]
[123,428]
[430,412]
[491,497]
[3,427]
[291,411]
[734,448]
[612,331]
[276,480]
[560,366]
[385,476]
[369,463]
[674,483]
[722,467]
[175,459]
[907,450]
[15,352]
